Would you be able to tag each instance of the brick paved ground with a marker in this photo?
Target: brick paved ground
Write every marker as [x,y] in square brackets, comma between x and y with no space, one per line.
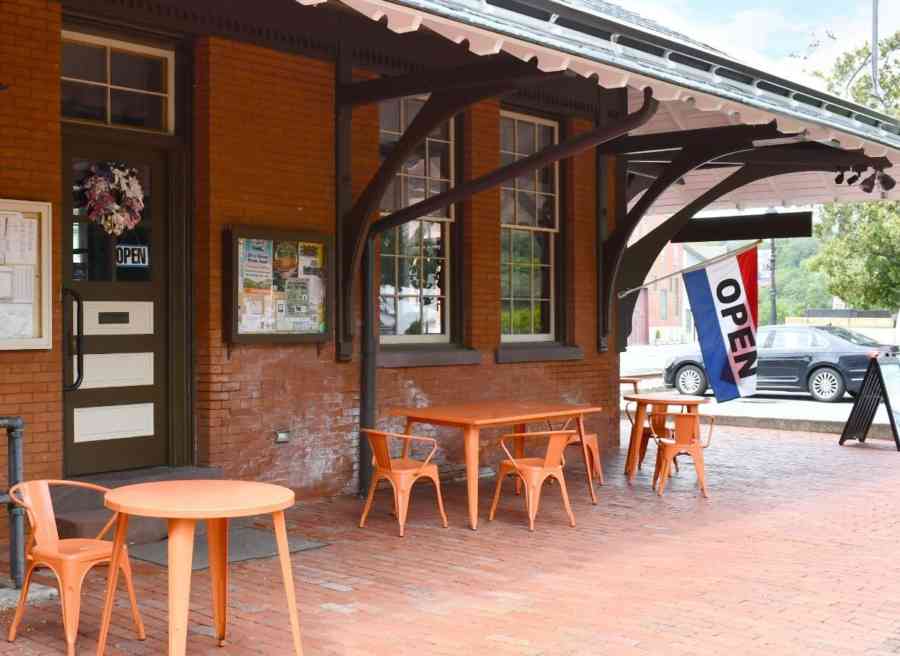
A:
[793,554]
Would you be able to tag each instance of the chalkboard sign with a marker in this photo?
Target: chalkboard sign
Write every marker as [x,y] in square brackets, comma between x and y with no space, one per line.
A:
[882,383]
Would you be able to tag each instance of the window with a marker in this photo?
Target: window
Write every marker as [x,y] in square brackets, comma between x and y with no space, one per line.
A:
[117,84]
[663,304]
[415,257]
[791,339]
[529,220]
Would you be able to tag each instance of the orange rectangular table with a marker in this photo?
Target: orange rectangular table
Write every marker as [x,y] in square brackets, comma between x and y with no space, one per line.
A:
[472,417]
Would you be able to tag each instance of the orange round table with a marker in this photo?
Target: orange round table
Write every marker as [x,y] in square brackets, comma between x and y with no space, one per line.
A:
[691,404]
[182,503]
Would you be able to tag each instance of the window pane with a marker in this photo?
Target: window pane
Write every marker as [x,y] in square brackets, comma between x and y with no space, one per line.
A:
[389,115]
[441,132]
[137,71]
[526,182]
[525,143]
[84,62]
[521,246]
[83,101]
[525,208]
[508,207]
[438,160]
[388,275]
[434,189]
[545,136]
[415,190]
[137,110]
[415,163]
[505,252]
[433,316]
[521,317]
[547,180]
[409,321]
[542,318]
[391,199]
[389,242]
[541,287]
[521,282]
[386,143]
[433,277]
[408,275]
[507,135]
[413,105]
[432,242]
[546,211]
[504,281]
[542,245]
[388,314]
[505,318]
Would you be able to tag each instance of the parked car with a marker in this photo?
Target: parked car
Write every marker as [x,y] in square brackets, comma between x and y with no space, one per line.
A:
[825,361]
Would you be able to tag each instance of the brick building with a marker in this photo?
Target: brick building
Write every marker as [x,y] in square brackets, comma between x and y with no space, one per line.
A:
[237,115]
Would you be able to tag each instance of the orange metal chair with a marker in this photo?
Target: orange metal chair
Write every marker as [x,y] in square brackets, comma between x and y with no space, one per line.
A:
[654,423]
[535,471]
[69,560]
[683,438]
[401,473]
[591,446]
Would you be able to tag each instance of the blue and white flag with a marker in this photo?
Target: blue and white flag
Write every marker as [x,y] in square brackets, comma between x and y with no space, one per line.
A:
[723,298]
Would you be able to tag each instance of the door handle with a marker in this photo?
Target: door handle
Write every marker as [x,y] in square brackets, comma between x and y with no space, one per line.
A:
[73,343]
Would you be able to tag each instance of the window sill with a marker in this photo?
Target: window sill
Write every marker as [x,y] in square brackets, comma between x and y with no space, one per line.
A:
[537,352]
[402,356]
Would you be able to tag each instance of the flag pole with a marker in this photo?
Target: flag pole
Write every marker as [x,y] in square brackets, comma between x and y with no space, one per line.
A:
[701,265]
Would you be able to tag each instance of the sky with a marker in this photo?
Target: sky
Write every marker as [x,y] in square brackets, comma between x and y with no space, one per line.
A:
[776,34]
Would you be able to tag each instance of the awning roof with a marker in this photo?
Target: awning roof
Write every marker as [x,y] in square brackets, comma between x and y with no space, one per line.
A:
[591,37]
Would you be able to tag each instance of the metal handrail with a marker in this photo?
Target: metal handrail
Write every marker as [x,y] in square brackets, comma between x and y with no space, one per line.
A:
[15,431]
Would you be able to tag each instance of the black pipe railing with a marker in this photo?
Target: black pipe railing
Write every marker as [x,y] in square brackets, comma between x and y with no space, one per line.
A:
[15,430]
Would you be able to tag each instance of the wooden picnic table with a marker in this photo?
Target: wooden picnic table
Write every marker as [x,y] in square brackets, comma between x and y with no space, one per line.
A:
[183,503]
[472,417]
[691,404]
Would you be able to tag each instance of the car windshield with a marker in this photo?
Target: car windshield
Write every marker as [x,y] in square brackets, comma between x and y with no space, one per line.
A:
[850,336]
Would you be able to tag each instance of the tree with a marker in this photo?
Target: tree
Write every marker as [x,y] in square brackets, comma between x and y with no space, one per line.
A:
[860,253]
[799,288]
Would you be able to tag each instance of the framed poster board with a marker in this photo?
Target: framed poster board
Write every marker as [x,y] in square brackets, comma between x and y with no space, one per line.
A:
[280,285]
[25,275]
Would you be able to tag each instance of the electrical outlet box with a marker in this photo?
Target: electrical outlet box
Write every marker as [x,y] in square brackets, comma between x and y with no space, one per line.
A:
[282,436]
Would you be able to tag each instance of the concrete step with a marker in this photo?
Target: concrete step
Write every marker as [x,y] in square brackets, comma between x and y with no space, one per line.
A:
[80,513]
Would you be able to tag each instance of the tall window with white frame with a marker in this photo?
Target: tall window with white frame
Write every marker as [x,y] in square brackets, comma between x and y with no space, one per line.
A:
[529,220]
[415,257]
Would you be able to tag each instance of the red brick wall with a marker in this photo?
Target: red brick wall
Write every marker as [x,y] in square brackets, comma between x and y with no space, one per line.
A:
[264,142]
[31,170]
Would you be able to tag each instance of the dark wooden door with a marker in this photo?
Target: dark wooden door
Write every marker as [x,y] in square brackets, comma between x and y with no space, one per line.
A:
[117,416]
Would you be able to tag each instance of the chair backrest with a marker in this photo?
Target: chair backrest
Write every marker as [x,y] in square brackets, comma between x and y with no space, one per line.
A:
[556,446]
[687,428]
[35,497]
[381,449]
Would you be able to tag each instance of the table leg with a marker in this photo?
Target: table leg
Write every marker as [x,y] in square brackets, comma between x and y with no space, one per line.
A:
[519,449]
[284,555]
[470,440]
[112,579]
[181,557]
[407,430]
[217,539]
[634,446]
[588,460]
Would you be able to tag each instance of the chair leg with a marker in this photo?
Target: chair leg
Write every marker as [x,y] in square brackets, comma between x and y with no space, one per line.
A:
[369,499]
[501,475]
[70,596]
[533,490]
[645,440]
[658,468]
[23,602]
[598,466]
[663,474]
[440,500]
[565,498]
[402,493]
[129,586]
[675,463]
[701,471]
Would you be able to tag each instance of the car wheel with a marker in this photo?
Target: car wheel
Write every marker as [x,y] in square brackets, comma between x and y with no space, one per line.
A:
[690,380]
[826,385]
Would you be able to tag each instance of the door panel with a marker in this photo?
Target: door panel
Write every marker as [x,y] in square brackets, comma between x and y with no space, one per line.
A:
[788,358]
[117,418]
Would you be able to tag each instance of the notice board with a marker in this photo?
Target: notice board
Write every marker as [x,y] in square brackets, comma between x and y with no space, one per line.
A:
[280,285]
[25,275]
[880,385]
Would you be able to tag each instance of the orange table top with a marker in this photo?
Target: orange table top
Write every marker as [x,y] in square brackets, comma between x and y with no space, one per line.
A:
[492,413]
[205,499]
[672,398]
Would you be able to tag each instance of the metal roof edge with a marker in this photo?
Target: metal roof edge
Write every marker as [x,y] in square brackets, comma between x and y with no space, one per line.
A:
[798,104]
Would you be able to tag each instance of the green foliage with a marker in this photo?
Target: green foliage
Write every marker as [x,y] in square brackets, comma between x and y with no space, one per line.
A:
[798,288]
[860,253]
